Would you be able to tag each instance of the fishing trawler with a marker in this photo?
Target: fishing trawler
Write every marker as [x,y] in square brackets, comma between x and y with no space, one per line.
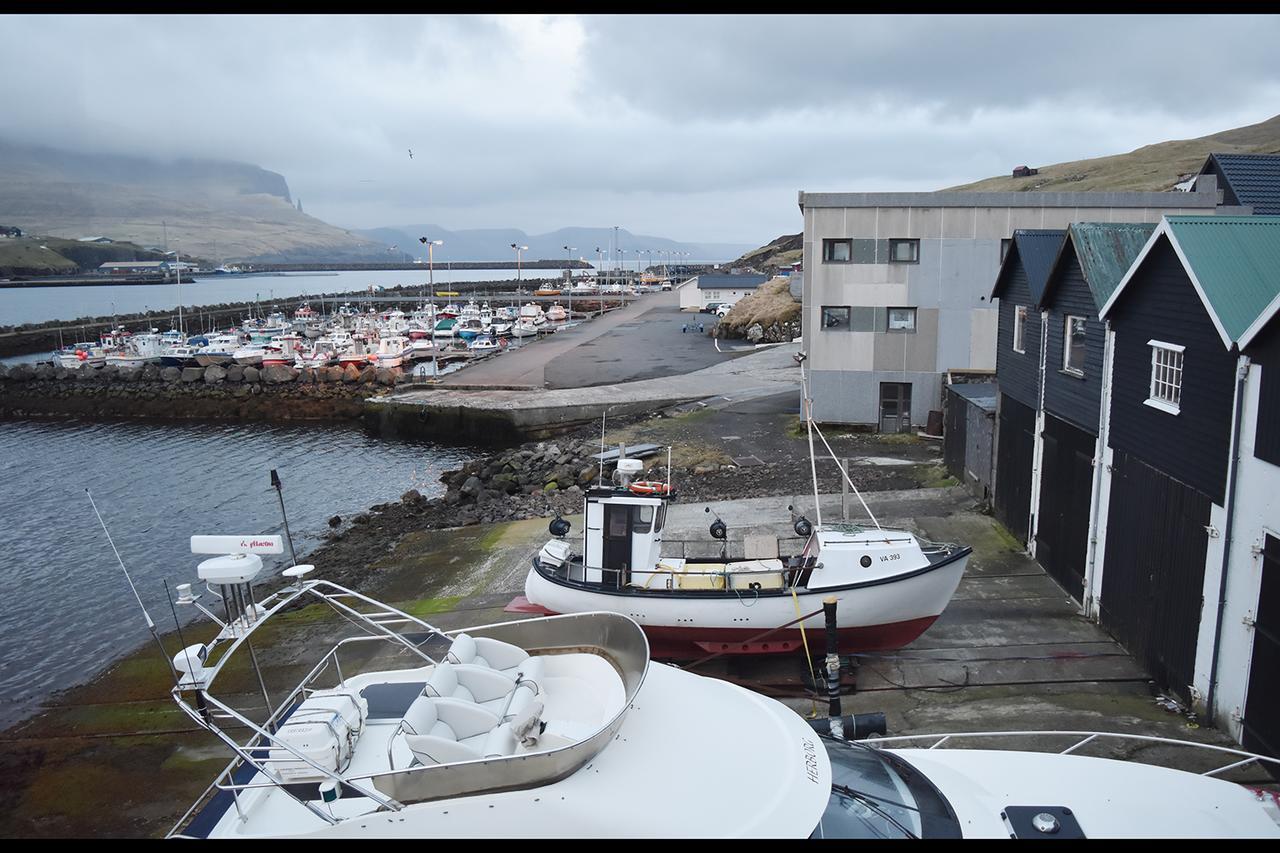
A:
[890,585]
[533,728]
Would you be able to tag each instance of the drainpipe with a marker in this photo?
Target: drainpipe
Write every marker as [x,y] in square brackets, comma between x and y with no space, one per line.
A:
[1037,441]
[1242,375]
[1099,459]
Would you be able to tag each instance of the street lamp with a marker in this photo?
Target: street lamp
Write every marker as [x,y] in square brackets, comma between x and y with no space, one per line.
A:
[569,260]
[431,261]
[519,249]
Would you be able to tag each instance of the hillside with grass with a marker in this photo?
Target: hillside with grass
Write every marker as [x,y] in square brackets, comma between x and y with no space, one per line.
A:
[1152,168]
[35,256]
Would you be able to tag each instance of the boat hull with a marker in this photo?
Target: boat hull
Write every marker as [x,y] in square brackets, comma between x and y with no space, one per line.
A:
[886,614]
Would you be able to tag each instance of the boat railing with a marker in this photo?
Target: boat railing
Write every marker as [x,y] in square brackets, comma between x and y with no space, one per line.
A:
[1081,739]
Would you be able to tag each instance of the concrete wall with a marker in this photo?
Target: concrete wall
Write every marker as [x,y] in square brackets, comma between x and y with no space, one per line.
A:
[960,236]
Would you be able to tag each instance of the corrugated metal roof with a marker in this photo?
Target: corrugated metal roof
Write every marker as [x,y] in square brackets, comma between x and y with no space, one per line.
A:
[981,394]
[1236,263]
[1254,179]
[1105,251]
[1035,249]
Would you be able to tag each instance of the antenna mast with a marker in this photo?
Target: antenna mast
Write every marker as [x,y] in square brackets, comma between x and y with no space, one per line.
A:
[151,626]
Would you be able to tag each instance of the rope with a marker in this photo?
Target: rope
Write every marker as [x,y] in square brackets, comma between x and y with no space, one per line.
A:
[804,638]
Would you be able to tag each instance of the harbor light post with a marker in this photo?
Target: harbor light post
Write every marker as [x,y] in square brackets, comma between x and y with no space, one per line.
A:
[623,264]
[431,262]
[569,250]
[519,249]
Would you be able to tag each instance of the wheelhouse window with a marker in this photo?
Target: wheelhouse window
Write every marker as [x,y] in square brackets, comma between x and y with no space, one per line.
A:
[902,319]
[904,251]
[835,317]
[1073,337]
[837,251]
[1166,376]
[1019,328]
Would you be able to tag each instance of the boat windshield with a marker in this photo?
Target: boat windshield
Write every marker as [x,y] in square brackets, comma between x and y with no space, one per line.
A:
[875,794]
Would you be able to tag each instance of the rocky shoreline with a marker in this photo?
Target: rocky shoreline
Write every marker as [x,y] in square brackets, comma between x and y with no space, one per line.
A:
[276,392]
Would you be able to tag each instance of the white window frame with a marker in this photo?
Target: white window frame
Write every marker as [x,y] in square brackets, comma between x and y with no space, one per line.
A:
[1020,329]
[1166,376]
[1067,367]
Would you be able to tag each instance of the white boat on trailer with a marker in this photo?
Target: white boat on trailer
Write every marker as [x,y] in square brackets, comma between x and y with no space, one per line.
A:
[533,728]
[890,585]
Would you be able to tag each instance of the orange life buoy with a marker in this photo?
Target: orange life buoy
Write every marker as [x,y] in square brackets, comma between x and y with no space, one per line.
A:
[649,487]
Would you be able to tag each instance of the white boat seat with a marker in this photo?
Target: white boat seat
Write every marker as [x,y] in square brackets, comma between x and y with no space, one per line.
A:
[440,731]
[470,683]
[499,656]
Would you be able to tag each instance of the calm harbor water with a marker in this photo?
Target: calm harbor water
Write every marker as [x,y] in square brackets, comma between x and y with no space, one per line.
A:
[20,305]
[67,610]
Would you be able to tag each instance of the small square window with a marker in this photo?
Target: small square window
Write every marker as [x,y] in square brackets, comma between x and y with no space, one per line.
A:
[1005,244]
[1019,328]
[904,251]
[1166,377]
[1073,338]
[835,317]
[837,251]
[902,319]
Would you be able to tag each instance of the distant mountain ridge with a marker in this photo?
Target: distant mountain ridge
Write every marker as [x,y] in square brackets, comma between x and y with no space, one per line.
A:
[215,209]
[494,244]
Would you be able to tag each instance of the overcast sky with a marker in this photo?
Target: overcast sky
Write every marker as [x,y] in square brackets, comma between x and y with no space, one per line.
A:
[694,128]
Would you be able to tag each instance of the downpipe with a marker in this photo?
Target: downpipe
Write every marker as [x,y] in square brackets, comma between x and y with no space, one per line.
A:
[1242,376]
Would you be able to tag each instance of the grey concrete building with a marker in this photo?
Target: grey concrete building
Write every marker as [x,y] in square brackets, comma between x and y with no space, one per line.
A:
[896,286]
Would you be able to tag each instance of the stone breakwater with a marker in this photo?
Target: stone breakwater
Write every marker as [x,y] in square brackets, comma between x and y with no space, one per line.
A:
[275,392]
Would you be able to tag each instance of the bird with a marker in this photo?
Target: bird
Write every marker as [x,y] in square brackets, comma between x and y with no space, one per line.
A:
[410,153]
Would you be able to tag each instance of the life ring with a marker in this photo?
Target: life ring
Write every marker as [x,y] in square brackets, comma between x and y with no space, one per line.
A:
[649,487]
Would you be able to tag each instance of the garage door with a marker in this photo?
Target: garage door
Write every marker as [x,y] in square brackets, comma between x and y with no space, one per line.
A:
[1013,465]
[1066,492]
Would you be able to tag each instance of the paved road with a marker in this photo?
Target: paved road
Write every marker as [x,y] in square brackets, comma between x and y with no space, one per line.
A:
[641,341]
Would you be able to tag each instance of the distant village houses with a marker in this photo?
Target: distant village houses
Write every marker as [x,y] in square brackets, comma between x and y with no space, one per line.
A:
[1024,172]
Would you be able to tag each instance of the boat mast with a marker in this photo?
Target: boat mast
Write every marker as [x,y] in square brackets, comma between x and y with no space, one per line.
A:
[806,407]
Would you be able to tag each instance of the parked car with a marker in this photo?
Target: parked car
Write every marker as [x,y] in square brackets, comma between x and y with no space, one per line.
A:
[711,307]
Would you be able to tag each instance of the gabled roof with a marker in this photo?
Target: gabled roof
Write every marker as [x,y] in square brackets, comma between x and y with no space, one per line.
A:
[1035,249]
[1233,262]
[1254,179]
[720,281]
[1105,251]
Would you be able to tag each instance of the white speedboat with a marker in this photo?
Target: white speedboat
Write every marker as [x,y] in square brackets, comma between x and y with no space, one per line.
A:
[250,355]
[532,314]
[523,329]
[484,343]
[889,585]
[542,727]
[556,313]
[391,351]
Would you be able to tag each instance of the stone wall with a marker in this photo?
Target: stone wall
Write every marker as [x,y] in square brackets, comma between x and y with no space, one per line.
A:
[277,392]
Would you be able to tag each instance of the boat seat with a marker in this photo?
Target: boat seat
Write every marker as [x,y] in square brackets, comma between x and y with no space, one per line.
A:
[470,683]
[443,731]
[506,658]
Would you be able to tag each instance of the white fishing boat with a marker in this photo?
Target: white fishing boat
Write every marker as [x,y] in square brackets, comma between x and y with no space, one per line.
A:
[532,314]
[391,350]
[85,352]
[540,727]
[484,343]
[141,350]
[890,585]
[420,348]
[282,349]
[250,355]
[556,313]
[523,329]
[220,349]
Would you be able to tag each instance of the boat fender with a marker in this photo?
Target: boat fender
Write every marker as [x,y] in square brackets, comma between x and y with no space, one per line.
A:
[559,526]
[718,529]
[803,527]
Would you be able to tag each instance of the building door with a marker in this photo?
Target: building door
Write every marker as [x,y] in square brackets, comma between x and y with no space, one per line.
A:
[616,560]
[1015,447]
[1066,494]
[895,406]
[1153,574]
[1261,720]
